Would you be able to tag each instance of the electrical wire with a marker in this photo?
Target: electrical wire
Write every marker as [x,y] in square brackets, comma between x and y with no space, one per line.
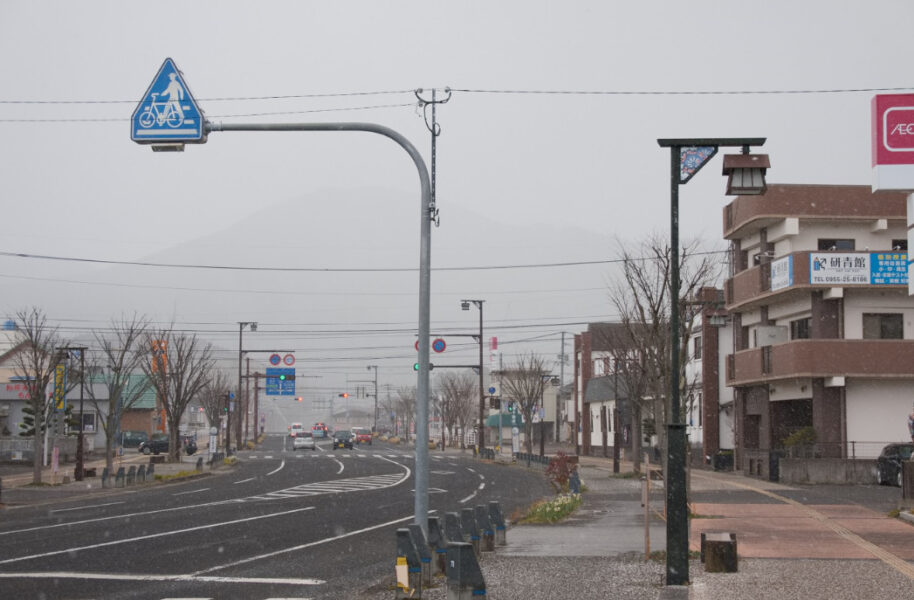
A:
[330,269]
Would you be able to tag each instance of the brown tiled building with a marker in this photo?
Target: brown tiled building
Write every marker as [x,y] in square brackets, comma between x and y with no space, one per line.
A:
[823,327]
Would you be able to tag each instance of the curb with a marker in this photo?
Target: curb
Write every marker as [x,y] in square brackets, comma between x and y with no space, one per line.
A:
[906,516]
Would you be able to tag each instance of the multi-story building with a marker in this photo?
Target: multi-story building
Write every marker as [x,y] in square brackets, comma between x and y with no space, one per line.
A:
[823,327]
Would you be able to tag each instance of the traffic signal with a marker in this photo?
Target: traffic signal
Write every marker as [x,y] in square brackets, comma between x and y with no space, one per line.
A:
[299,398]
[511,406]
[416,366]
[344,395]
[287,377]
[494,402]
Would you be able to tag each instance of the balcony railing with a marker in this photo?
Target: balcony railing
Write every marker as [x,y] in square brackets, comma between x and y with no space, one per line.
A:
[822,358]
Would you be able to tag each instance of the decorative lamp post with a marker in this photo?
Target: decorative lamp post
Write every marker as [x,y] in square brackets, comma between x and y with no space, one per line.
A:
[746,176]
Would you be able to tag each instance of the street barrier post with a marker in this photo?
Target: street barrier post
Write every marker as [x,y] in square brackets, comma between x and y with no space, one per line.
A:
[470,528]
[141,474]
[119,478]
[499,522]
[464,577]
[425,555]
[409,567]
[438,541]
[453,530]
[487,543]
[131,475]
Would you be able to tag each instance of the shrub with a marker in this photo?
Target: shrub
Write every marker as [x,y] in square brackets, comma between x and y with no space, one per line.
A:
[559,471]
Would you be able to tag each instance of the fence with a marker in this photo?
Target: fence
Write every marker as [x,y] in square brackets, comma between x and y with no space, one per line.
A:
[22,449]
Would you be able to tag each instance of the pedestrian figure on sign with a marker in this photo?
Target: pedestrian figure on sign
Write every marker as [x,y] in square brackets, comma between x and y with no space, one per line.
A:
[175,94]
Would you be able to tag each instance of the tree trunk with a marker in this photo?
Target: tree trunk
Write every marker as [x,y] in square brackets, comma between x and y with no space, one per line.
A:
[38,447]
[636,437]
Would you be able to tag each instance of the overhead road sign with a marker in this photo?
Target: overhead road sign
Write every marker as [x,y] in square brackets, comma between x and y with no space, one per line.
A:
[280,382]
[168,113]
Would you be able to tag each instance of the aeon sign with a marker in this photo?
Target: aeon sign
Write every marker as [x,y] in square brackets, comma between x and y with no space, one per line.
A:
[893,142]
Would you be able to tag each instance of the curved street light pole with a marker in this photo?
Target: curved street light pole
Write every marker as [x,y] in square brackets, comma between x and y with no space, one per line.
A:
[427,213]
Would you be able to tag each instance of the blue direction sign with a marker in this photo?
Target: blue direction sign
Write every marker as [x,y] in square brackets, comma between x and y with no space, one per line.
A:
[168,112]
[280,382]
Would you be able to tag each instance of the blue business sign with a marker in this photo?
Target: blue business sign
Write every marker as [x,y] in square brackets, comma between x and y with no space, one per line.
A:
[889,268]
[168,112]
[874,268]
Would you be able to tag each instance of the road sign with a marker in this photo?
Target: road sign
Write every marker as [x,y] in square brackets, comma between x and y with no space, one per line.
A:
[168,112]
[439,345]
[280,382]
[288,360]
[275,359]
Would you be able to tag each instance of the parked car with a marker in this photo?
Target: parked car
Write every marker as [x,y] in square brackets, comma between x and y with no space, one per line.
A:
[362,435]
[295,429]
[342,439]
[157,444]
[304,440]
[888,465]
[132,439]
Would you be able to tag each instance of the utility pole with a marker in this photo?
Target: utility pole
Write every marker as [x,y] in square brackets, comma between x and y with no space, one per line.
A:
[247,375]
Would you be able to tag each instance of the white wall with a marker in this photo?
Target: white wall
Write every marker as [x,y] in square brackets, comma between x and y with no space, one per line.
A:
[877,411]
[859,301]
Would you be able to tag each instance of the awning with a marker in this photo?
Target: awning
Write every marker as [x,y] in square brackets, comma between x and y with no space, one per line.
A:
[507,420]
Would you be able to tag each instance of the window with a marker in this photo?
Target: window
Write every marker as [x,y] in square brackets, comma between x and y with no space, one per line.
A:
[697,348]
[88,420]
[836,244]
[883,326]
[900,245]
[799,329]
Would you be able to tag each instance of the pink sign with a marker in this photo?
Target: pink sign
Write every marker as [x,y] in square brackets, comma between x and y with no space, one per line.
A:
[893,129]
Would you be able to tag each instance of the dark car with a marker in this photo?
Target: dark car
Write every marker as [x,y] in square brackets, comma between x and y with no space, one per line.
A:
[157,444]
[132,439]
[888,465]
[342,439]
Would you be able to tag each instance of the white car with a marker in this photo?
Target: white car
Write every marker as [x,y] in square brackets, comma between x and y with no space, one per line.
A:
[296,429]
[304,440]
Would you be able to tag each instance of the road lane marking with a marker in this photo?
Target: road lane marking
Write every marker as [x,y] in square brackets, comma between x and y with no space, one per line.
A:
[277,469]
[302,546]
[245,480]
[84,507]
[163,577]
[190,492]
[153,536]
[340,464]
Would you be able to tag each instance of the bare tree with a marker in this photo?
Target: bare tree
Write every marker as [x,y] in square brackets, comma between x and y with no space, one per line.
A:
[213,396]
[458,392]
[117,367]
[35,362]
[406,406]
[642,300]
[179,368]
[523,384]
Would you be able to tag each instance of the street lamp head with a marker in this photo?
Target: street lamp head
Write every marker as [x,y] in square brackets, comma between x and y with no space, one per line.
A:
[746,174]
[464,305]
[253,326]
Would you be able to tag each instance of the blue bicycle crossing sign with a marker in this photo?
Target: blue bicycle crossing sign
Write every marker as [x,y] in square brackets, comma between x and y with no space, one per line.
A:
[168,112]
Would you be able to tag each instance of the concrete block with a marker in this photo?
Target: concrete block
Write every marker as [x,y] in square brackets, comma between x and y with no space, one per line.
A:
[486,529]
[718,552]
[119,478]
[468,524]
[141,474]
[437,541]
[498,520]
[464,577]
[409,567]
[425,555]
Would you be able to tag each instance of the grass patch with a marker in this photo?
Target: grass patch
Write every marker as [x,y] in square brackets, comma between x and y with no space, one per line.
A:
[178,475]
[894,513]
[229,460]
[627,475]
[552,511]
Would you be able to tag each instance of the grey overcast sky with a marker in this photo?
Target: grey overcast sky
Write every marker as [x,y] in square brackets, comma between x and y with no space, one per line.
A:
[547,154]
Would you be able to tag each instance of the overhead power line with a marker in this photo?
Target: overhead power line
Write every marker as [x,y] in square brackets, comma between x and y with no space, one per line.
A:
[577,263]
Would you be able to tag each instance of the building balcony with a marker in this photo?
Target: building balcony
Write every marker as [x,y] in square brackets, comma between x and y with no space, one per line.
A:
[879,359]
[779,279]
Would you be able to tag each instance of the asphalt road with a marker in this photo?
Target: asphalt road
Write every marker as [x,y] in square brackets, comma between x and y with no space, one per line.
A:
[305,524]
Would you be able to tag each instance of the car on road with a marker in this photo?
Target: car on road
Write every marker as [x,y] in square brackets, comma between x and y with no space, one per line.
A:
[362,435]
[157,444]
[342,439]
[888,465]
[319,430]
[303,440]
[295,429]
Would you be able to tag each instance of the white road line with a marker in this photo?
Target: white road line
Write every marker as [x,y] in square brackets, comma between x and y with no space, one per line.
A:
[245,480]
[84,507]
[277,469]
[129,577]
[341,466]
[153,535]
[190,492]
[468,498]
[302,546]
